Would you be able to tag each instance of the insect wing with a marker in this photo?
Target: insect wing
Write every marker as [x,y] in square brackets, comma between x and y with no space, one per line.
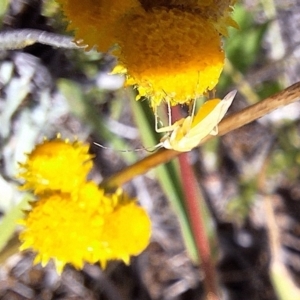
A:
[207,125]
[225,104]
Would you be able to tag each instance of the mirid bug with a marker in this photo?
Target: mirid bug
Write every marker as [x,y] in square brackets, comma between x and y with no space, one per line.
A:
[187,133]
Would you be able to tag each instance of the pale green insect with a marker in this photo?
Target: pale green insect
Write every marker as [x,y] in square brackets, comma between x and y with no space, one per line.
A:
[187,133]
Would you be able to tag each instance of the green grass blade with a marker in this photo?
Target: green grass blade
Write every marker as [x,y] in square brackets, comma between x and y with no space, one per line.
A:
[166,174]
[9,222]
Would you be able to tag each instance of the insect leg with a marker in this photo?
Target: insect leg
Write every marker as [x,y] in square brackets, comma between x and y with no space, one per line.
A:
[169,114]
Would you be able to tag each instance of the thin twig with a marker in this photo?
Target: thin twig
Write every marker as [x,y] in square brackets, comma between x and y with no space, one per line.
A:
[18,39]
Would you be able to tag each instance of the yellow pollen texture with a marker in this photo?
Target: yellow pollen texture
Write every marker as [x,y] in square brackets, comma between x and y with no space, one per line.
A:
[56,165]
[171,55]
[56,228]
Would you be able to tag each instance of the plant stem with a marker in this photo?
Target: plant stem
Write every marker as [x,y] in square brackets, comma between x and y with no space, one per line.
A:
[192,201]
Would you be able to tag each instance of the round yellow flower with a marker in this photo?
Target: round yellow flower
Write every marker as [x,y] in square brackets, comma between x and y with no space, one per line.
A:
[56,165]
[169,49]
[126,232]
[60,229]
[92,227]
[170,55]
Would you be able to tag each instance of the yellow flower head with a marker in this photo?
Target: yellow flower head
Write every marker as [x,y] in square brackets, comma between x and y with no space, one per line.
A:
[126,231]
[170,55]
[94,227]
[56,165]
[169,49]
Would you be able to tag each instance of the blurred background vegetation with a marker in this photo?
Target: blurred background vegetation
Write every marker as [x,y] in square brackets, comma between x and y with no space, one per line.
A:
[249,178]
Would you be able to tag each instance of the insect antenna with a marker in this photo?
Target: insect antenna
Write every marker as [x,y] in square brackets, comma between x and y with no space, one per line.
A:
[148,149]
